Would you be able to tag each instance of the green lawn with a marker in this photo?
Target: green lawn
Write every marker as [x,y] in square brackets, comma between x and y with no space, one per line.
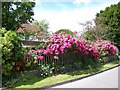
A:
[35,82]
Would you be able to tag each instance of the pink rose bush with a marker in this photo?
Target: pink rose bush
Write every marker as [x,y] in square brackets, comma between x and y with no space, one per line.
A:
[63,43]
[105,48]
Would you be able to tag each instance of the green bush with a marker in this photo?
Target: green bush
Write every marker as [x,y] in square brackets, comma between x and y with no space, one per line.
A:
[11,50]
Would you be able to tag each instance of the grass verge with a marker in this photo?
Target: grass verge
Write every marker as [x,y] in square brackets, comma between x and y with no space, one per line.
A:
[37,82]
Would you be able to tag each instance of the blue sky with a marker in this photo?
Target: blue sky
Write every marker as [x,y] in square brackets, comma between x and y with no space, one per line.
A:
[59,6]
[68,14]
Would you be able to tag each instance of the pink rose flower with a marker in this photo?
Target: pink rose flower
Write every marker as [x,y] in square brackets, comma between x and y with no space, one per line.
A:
[75,32]
[56,52]
[28,54]
[41,57]
[46,52]
[86,53]
[56,57]
[40,51]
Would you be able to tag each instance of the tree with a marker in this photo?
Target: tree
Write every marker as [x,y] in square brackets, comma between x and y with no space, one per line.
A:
[87,25]
[43,25]
[16,13]
[67,31]
[109,20]
[93,32]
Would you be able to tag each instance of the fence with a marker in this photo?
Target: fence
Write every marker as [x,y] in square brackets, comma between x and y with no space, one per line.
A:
[67,57]
[63,58]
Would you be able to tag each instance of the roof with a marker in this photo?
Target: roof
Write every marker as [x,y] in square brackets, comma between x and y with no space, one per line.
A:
[30,29]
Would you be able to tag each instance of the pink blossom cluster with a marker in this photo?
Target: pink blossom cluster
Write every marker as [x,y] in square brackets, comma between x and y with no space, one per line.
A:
[105,48]
[61,43]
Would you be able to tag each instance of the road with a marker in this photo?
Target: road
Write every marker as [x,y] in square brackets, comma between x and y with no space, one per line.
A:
[107,79]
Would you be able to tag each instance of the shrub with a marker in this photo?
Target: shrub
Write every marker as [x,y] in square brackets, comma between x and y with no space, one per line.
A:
[11,50]
[59,43]
[89,53]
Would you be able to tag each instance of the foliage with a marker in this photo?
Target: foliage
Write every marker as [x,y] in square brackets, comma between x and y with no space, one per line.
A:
[93,32]
[66,31]
[31,81]
[109,20]
[16,13]
[45,70]
[11,50]
[16,78]
[43,25]
[20,63]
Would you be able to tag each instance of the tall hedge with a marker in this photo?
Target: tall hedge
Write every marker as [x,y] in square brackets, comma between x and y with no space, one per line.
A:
[109,19]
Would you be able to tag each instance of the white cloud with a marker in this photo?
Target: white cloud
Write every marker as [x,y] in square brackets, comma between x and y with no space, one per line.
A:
[82,1]
[70,19]
[66,19]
